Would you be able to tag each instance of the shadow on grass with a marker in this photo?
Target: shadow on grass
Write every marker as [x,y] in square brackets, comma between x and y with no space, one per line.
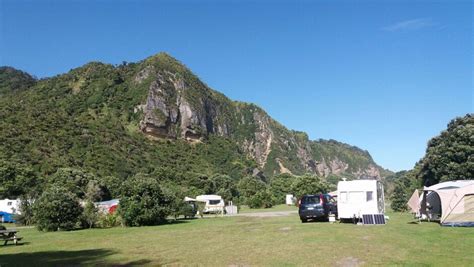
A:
[317,220]
[177,221]
[10,243]
[94,257]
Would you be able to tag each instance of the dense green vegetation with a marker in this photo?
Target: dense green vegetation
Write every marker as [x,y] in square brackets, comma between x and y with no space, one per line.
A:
[308,184]
[87,119]
[79,132]
[57,209]
[449,156]
[143,202]
[12,80]
[404,183]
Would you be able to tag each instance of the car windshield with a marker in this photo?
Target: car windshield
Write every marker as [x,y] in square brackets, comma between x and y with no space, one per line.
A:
[310,200]
[214,202]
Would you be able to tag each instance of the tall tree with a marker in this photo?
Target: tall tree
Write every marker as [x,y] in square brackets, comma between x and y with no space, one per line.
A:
[280,185]
[143,201]
[308,184]
[450,156]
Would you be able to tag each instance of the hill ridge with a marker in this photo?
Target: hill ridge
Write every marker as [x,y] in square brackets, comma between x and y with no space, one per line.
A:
[160,97]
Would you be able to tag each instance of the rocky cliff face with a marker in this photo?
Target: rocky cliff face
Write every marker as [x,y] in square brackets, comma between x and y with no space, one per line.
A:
[179,106]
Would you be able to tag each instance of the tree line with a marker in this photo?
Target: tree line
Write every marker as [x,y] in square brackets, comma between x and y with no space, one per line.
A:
[65,200]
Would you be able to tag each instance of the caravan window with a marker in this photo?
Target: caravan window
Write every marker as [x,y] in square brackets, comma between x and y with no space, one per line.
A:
[369,196]
[9,203]
[214,202]
[356,197]
[343,197]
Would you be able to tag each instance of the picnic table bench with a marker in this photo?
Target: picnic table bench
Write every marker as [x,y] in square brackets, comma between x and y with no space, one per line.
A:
[9,235]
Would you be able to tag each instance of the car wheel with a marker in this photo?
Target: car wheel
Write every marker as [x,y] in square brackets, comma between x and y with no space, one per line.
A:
[303,220]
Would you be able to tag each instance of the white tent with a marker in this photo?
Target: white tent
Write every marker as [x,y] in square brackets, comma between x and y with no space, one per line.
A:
[414,202]
[452,203]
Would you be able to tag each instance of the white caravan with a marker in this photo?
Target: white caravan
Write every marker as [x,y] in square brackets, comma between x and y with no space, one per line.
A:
[214,203]
[10,205]
[358,197]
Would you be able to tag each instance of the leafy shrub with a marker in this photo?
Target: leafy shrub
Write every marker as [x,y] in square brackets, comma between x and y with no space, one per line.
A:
[143,202]
[254,193]
[280,186]
[107,220]
[178,207]
[308,184]
[262,199]
[399,199]
[224,186]
[249,186]
[90,216]
[57,209]
[25,217]
[175,194]
[186,209]
[75,180]
[405,184]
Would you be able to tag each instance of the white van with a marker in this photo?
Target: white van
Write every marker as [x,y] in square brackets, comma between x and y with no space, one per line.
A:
[358,197]
[214,203]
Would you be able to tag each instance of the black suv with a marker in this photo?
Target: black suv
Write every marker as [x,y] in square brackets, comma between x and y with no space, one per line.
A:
[318,206]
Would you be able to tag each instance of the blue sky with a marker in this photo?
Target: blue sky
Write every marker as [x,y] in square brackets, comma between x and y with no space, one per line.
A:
[382,76]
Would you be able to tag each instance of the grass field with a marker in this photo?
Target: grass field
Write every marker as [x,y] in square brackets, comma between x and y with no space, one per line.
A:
[237,241]
[246,209]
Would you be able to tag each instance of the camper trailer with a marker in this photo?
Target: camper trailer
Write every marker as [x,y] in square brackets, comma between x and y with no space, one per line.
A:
[359,197]
[214,203]
[10,205]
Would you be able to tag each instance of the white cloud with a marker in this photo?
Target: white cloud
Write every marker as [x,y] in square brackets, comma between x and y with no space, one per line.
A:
[412,24]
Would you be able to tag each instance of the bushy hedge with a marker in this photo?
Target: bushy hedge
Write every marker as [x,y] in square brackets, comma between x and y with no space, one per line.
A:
[143,202]
[57,209]
[262,199]
[280,186]
[308,184]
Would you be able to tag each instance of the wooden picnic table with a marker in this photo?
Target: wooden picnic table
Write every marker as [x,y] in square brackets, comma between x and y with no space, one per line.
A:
[9,235]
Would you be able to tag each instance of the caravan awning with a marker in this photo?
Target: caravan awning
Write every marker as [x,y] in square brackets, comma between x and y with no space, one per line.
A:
[189,199]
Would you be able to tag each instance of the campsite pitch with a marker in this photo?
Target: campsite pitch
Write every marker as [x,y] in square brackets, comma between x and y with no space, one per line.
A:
[240,241]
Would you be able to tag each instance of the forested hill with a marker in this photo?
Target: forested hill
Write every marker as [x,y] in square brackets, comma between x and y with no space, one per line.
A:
[154,116]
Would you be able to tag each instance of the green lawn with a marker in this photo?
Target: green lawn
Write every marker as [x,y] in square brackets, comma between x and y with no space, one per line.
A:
[275,241]
[282,207]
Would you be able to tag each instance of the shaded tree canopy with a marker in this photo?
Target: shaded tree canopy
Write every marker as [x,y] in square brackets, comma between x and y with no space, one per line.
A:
[143,201]
[57,209]
[308,184]
[450,156]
